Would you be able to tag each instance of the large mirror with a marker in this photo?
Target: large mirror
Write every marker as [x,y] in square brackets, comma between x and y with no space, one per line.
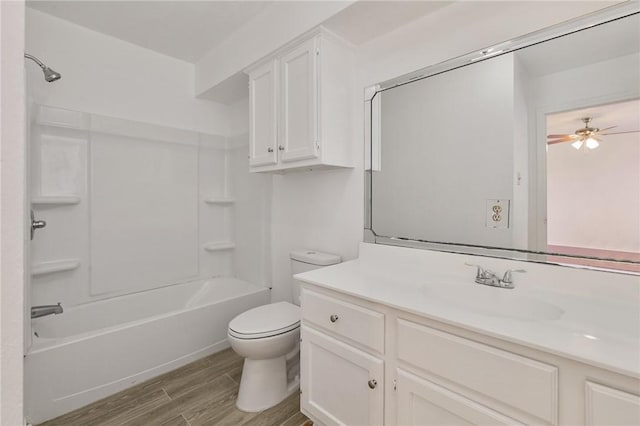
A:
[530,149]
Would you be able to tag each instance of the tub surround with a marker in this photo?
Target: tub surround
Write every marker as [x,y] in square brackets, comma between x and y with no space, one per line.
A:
[413,336]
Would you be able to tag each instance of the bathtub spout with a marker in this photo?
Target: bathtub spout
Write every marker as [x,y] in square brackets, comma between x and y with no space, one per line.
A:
[44,310]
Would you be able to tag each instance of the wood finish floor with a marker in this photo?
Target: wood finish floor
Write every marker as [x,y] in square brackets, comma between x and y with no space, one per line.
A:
[201,393]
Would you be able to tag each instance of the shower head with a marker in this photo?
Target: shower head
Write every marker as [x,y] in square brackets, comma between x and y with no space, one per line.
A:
[49,74]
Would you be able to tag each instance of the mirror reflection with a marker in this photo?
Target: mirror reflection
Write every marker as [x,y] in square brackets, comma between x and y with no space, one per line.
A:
[536,150]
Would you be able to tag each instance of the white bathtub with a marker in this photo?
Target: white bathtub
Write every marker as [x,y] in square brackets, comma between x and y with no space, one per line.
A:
[94,350]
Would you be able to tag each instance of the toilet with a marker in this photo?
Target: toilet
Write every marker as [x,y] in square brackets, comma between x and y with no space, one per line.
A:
[268,338]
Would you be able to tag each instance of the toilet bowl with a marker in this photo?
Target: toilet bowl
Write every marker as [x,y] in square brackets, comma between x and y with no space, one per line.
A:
[268,337]
[264,336]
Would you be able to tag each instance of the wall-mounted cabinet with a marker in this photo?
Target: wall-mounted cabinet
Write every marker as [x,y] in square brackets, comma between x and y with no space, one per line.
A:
[300,106]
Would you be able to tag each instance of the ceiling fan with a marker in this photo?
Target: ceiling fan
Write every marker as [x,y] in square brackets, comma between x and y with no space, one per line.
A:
[589,136]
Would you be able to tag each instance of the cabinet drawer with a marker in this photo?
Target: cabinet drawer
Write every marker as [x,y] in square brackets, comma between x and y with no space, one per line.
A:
[608,406]
[520,382]
[422,402]
[354,322]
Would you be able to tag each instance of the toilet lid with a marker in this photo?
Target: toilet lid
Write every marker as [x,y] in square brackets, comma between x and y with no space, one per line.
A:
[265,321]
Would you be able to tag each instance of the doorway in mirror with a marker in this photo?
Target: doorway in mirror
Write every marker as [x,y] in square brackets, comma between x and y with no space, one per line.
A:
[593,183]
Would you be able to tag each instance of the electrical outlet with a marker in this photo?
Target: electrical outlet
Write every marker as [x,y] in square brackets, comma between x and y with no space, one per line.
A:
[498,214]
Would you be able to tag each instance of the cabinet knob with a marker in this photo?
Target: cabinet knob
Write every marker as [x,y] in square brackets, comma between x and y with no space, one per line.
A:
[269,149]
[333,318]
[281,148]
[372,384]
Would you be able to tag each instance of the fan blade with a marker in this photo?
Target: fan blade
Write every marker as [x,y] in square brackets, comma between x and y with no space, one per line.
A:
[558,136]
[565,139]
[619,133]
[606,128]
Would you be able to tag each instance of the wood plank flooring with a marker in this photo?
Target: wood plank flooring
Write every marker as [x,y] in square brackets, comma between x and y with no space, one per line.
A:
[199,394]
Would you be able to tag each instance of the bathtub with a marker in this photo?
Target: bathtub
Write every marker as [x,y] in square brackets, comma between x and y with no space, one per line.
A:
[96,349]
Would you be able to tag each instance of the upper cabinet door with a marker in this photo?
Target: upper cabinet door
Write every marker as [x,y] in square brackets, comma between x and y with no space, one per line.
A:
[263,90]
[299,94]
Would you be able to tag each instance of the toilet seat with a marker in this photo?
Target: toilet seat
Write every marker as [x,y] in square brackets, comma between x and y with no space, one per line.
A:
[265,321]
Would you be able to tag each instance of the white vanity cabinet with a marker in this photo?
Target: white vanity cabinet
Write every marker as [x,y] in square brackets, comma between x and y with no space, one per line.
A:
[342,380]
[300,106]
[429,372]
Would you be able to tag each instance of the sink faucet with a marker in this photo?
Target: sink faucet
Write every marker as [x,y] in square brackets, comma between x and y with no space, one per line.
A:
[44,310]
[487,277]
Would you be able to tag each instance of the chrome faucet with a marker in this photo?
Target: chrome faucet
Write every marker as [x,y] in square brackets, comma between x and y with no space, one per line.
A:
[44,310]
[487,277]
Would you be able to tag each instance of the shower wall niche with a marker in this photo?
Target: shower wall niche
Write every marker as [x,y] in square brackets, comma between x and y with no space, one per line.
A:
[132,206]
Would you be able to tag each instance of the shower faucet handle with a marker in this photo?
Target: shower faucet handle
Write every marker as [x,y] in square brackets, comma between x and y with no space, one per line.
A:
[36,224]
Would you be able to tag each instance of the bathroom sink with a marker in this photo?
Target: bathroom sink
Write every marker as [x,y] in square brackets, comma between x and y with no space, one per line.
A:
[496,302]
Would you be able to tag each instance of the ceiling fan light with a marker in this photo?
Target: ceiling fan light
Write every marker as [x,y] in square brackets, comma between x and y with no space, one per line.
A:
[577,144]
[592,143]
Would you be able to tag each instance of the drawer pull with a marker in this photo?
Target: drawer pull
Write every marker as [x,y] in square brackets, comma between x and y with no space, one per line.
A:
[373,383]
[333,318]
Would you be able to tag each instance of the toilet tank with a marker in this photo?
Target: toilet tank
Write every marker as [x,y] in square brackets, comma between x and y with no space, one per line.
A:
[308,260]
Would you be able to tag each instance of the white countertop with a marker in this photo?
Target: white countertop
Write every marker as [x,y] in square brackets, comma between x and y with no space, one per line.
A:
[573,316]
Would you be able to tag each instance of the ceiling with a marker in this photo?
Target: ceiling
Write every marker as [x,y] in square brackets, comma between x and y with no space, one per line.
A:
[365,20]
[188,29]
[184,30]
[624,115]
[599,43]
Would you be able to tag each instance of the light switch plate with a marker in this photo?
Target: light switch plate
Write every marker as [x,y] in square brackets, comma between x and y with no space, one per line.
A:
[498,214]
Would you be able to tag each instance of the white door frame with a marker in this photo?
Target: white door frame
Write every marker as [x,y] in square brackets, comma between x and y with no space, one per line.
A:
[12,210]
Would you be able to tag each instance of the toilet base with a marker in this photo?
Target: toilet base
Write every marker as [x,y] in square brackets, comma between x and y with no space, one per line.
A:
[264,384]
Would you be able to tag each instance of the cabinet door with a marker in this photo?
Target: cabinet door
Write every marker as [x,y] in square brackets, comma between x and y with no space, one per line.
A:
[421,402]
[263,90]
[607,406]
[340,384]
[299,105]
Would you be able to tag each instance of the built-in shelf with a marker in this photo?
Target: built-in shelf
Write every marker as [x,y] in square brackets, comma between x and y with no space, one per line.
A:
[219,245]
[54,266]
[219,200]
[55,200]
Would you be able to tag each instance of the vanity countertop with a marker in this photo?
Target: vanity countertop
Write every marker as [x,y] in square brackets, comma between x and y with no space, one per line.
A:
[573,314]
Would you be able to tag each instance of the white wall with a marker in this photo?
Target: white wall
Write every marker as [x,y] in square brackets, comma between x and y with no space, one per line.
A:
[12,211]
[320,210]
[252,208]
[107,76]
